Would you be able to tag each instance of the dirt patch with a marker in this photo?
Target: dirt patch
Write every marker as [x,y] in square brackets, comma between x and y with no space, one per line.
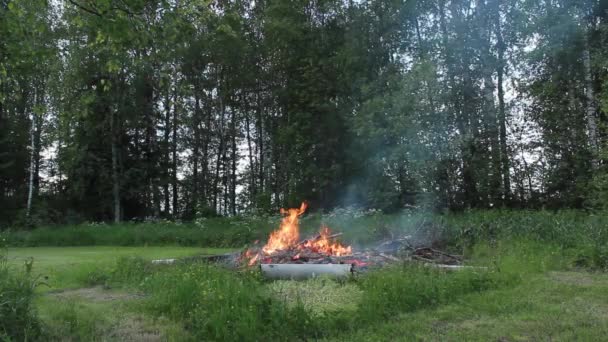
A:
[573,278]
[95,294]
[135,328]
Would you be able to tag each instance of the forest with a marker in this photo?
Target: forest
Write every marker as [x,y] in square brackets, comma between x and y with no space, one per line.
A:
[118,110]
[299,170]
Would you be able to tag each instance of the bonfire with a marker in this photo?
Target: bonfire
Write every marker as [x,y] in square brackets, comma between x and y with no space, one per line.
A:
[286,256]
[284,244]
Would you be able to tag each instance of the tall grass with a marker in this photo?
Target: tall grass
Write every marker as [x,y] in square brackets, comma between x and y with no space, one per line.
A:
[565,228]
[216,232]
[18,316]
[213,303]
[218,304]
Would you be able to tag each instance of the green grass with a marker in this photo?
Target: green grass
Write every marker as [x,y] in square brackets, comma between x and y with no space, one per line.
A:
[537,285]
[65,267]
[215,232]
[565,306]
[62,268]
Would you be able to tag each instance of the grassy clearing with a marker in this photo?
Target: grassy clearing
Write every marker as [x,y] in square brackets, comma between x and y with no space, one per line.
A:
[537,287]
[217,304]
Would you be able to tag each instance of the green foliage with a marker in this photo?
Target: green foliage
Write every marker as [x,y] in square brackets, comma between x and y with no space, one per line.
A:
[593,256]
[563,228]
[382,104]
[18,317]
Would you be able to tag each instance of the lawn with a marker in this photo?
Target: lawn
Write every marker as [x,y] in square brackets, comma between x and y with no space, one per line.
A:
[62,257]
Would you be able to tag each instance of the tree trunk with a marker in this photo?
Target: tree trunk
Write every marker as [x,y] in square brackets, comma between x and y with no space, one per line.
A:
[30,194]
[234,156]
[591,104]
[37,148]
[260,132]
[175,209]
[166,151]
[115,176]
[252,185]
[220,150]
[502,115]
[195,150]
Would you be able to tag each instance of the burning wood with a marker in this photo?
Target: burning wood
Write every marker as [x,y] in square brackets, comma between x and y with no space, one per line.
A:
[284,244]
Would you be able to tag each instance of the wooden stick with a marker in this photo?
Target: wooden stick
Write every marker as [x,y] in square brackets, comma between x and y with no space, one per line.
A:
[390,257]
[318,237]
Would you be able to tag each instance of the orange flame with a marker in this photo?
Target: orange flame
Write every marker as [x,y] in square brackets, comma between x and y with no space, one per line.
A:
[288,237]
[324,245]
[289,232]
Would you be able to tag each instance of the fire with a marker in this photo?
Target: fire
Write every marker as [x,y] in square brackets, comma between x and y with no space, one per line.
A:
[287,237]
[322,244]
[288,234]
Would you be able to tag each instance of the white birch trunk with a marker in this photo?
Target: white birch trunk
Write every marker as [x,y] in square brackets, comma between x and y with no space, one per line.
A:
[591,103]
[30,194]
[115,178]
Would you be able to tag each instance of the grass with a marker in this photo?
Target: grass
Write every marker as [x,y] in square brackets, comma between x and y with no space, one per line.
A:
[65,315]
[541,308]
[544,281]
[65,267]
[18,315]
[212,232]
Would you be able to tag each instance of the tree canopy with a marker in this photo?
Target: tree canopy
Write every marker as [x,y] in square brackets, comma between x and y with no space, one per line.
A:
[128,109]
